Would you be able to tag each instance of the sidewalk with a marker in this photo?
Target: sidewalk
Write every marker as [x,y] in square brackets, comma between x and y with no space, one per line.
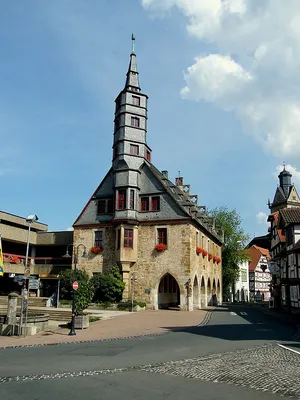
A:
[123,326]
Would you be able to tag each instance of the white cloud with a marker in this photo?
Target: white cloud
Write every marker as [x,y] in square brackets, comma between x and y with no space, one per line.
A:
[293,170]
[70,228]
[255,70]
[261,218]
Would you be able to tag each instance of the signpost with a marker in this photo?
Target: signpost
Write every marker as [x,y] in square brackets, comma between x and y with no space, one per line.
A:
[75,285]
[133,279]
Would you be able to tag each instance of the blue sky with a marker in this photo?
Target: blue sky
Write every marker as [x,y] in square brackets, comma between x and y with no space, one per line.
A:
[220,110]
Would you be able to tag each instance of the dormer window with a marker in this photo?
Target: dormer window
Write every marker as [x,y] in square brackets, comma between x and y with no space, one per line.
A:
[135,121]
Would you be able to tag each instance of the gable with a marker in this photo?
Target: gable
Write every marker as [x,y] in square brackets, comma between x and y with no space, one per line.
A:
[89,213]
[279,196]
[150,185]
[293,196]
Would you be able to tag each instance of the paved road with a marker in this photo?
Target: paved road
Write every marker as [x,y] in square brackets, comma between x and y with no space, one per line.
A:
[234,353]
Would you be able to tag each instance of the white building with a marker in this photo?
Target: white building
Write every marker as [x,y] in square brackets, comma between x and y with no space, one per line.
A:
[242,284]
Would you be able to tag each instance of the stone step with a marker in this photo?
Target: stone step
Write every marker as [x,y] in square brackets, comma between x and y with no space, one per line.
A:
[32,301]
[54,314]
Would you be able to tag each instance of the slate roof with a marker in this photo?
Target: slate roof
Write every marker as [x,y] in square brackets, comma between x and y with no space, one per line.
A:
[255,254]
[183,200]
[290,215]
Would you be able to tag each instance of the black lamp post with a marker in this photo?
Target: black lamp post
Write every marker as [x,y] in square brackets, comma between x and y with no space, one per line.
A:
[67,255]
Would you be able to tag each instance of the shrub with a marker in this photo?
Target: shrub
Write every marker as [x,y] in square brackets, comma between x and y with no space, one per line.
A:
[127,305]
[84,296]
[67,277]
[108,287]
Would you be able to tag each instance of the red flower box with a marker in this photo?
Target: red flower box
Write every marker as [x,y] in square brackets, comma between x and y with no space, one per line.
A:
[199,250]
[210,256]
[96,250]
[215,259]
[160,247]
[204,253]
[14,259]
[218,260]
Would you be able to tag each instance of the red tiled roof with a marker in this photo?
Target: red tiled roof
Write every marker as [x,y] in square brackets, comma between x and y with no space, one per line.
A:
[255,253]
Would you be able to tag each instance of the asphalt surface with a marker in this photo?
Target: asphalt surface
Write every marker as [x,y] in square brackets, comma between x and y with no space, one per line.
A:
[236,353]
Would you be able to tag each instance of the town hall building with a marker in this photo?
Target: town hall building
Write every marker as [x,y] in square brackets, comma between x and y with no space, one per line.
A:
[151,228]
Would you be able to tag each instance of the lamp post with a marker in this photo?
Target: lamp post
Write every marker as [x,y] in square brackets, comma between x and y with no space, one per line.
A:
[67,255]
[30,220]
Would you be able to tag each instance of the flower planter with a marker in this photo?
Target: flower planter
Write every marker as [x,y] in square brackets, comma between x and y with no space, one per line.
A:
[160,247]
[199,250]
[82,321]
[210,256]
[204,253]
[96,250]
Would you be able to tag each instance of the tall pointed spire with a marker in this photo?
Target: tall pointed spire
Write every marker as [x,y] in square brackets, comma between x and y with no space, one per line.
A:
[132,80]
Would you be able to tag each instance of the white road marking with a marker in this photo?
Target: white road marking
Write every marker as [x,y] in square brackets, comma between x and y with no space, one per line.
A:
[232,313]
[287,348]
[243,313]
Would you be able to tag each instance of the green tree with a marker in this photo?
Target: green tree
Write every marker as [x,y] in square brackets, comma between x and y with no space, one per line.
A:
[67,277]
[108,287]
[235,241]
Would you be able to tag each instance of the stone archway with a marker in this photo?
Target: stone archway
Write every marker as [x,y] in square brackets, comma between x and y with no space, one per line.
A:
[219,292]
[209,293]
[168,292]
[203,294]
[196,294]
[214,294]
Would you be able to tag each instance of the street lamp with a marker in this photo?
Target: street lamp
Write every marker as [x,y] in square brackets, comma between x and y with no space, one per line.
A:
[30,220]
[67,255]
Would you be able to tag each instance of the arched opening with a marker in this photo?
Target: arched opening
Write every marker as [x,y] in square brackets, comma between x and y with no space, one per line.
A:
[202,294]
[219,292]
[168,292]
[196,297]
[209,297]
[214,294]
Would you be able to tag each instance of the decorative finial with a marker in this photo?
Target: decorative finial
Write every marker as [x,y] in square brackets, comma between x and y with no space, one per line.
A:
[179,173]
[132,39]
[283,165]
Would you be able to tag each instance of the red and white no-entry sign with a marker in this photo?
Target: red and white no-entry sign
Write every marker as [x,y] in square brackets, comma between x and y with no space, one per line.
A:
[75,285]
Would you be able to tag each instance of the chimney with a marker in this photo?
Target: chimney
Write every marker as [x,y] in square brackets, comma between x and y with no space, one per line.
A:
[165,173]
[179,181]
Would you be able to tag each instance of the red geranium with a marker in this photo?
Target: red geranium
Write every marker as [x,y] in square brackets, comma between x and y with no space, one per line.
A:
[199,250]
[96,249]
[204,253]
[160,247]
[210,256]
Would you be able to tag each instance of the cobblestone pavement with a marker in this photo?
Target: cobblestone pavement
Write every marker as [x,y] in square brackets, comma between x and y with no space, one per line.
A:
[268,368]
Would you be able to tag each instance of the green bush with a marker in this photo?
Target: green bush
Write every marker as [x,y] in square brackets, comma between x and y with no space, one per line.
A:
[127,305]
[67,277]
[84,296]
[108,287]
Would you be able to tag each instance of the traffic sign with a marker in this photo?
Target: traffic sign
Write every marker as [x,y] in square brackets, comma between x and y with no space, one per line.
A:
[75,285]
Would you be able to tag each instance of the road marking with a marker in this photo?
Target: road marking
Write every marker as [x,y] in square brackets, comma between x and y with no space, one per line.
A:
[232,313]
[287,348]
[243,313]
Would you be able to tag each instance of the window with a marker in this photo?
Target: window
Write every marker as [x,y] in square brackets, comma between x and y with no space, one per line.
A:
[162,236]
[101,207]
[110,206]
[121,200]
[155,206]
[118,238]
[128,238]
[117,123]
[135,121]
[134,149]
[148,155]
[136,101]
[98,239]
[131,200]
[145,204]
